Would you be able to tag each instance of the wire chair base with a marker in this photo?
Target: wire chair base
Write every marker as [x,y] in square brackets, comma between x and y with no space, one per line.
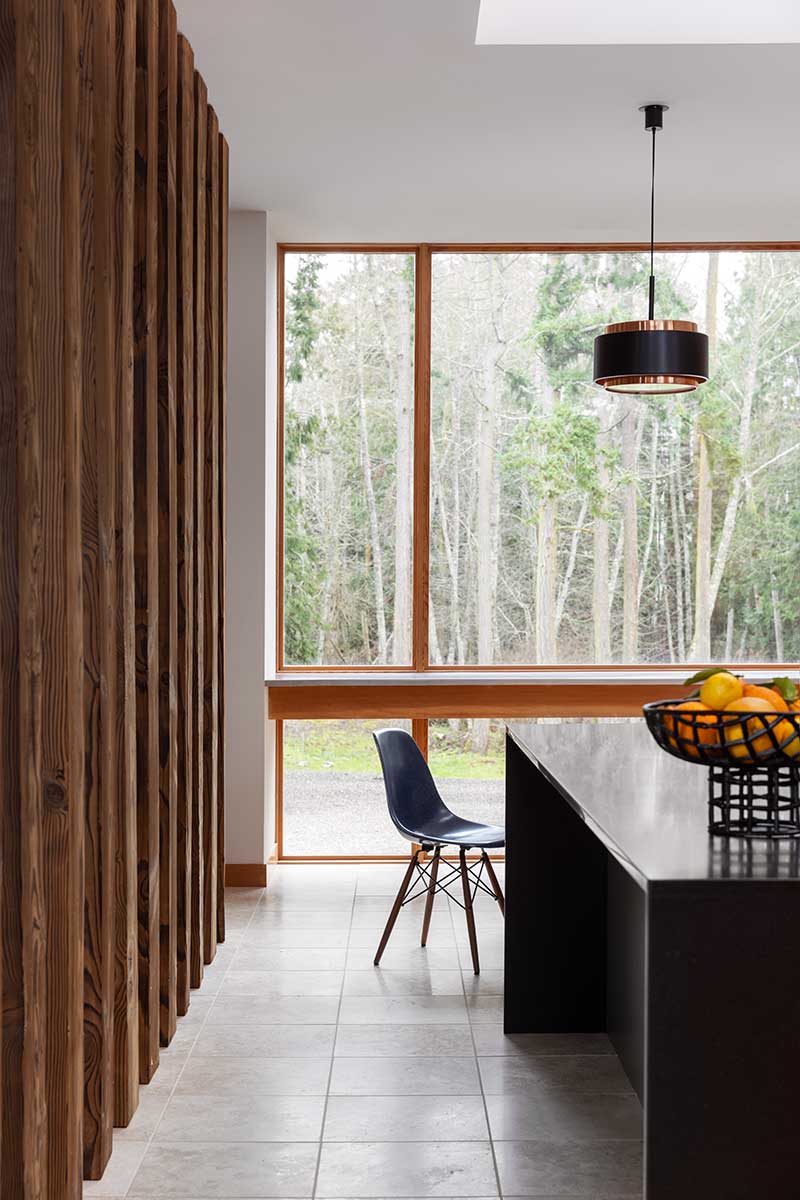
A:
[424,880]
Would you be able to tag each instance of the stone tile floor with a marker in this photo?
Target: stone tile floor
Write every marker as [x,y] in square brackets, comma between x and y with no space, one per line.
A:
[303,1071]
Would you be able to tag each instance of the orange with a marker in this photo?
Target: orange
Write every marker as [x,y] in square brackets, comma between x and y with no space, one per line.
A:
[689,733]
[721,689]
[774,698]
[783,732]
[760,744]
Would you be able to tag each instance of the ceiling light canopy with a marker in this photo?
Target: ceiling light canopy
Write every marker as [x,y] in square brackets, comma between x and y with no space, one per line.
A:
[651,358]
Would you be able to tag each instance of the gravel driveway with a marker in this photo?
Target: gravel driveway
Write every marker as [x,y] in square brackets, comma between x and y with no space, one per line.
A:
[336,812]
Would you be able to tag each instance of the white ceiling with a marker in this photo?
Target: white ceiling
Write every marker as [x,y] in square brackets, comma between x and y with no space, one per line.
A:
[632,22]
[382,120]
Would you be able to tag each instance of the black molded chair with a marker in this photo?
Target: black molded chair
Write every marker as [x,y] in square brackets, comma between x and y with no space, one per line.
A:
[422,817]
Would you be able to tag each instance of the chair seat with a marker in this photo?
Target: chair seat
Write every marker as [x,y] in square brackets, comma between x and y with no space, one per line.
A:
[447,829]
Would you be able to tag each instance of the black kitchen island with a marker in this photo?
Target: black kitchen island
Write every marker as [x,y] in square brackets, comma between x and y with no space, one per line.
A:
[624,915]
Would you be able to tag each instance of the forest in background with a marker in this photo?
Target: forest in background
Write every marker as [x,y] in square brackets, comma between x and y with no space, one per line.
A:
[567,526]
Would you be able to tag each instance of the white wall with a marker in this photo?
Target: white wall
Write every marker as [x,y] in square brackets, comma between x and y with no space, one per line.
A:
[248,836]
[271,503]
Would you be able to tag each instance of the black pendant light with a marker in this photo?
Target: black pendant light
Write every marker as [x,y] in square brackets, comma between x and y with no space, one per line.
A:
[651,358]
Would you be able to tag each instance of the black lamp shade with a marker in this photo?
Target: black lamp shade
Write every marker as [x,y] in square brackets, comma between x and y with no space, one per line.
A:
[651,357]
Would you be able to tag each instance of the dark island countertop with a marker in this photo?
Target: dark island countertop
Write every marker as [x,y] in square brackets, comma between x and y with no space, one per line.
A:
[648,808]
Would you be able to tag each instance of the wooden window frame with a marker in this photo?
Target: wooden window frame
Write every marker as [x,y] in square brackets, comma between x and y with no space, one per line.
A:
[423,254]
[335,691]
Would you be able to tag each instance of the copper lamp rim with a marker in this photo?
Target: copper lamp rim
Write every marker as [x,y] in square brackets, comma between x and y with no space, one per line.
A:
[651,326]
[681,382]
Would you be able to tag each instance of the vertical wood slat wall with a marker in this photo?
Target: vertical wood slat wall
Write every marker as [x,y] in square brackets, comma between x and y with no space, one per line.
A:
[113,299]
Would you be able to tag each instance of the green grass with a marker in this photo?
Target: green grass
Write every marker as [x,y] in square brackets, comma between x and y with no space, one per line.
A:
[348,746]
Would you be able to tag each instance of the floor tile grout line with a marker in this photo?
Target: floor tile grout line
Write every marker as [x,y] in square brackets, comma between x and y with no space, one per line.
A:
[333,1060]
[149,1141]
[239,943]
[480,1082]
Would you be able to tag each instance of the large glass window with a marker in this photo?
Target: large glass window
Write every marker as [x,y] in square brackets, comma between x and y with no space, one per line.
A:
[348,409]
[334,803]
[467,760]
[567,526]
[572,527]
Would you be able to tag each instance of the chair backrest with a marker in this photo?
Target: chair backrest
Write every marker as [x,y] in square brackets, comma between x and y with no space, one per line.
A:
[411,793]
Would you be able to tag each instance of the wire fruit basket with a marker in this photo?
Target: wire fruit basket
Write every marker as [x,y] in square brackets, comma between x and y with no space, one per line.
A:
[754,760]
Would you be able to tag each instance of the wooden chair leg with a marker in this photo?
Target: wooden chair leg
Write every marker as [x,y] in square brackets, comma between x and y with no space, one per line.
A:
[398,904]
[498,891]
[470,915]
[426,924]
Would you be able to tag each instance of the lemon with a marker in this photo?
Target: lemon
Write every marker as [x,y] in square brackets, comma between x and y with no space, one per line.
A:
[721,689]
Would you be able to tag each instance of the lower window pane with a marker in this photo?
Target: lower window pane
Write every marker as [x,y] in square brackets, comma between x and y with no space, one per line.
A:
[467,760]
[333,796]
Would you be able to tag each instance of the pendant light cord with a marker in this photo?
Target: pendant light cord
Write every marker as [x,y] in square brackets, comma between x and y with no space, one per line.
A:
[652,302]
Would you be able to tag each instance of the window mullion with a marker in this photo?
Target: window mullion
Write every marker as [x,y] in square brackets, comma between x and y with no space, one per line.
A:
[422,459]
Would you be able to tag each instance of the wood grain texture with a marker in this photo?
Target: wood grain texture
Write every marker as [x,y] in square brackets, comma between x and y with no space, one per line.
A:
[211,543]
[224,172]
[11,1031]
[198,845]
[246,875]
[41,816]
[146,528]
[96,111]
[62,674]
[185,438]
[113,237]
[126,1000]
[313,701]
[167,515]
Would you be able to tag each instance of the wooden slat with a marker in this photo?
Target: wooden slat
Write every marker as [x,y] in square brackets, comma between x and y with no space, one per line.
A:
[126,1012]
[98,471]
[211,542]
[12,1030]
[223,468]
[198,847]
[167,515]
[146,527]
[62,796]
[9,633]
[186,502]
[41,767]
[52,336]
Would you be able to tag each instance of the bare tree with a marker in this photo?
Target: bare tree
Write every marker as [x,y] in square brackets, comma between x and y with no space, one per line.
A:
[701,641]
[369,488]
[601,611]
[761,318]
[630,525]
[401,635]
